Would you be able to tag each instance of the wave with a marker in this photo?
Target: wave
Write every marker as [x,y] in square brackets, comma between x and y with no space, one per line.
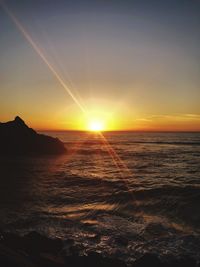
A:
[168,143]
[137,142]
[177,203]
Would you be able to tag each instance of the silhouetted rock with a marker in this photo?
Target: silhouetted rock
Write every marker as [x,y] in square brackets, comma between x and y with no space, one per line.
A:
[184,261]
[13,241]
[33,243]
[35,250]
[39,243]
[12,258]
[32,249]
[148,260]
[16,138]
[93,259]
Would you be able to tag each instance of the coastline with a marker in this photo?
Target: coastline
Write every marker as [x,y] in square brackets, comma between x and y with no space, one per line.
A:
[35,250]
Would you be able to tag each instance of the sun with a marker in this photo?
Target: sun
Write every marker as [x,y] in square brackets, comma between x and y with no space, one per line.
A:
[96,126]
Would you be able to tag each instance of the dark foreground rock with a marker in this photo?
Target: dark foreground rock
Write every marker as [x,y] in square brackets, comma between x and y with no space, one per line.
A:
[148,260]
[35,250]
[16,138]
[33,243]
[93,259]
[153,260]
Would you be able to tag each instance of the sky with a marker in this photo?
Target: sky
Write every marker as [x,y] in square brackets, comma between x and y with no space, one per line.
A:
[129,64]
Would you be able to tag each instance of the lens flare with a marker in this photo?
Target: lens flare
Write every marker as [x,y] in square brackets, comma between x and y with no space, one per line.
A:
[33,44]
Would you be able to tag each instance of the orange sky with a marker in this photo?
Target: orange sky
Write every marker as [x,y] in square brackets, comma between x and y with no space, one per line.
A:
[128,67]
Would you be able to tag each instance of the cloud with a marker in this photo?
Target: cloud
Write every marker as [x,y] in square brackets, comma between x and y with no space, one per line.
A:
[170,118]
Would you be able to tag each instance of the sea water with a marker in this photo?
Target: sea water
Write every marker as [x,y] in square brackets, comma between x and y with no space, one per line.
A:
[121,194]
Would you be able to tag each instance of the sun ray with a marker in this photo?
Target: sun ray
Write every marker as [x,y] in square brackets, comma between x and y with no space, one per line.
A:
[75,148]
[30,40]
[96,126]
[121,166]
[115,156]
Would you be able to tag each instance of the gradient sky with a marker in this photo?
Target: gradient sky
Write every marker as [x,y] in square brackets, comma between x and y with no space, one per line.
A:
[134,64]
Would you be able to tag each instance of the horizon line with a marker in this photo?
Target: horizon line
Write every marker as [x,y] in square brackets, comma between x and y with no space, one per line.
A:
[130,130]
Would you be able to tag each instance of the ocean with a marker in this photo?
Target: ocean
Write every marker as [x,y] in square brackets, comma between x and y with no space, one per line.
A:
[121,194]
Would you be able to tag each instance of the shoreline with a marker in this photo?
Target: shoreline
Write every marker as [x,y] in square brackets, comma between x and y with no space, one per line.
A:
[36,250]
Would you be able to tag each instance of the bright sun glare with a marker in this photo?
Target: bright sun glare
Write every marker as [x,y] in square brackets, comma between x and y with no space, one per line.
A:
[96,126]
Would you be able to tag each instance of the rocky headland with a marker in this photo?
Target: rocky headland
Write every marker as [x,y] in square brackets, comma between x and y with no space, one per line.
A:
[16,138]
